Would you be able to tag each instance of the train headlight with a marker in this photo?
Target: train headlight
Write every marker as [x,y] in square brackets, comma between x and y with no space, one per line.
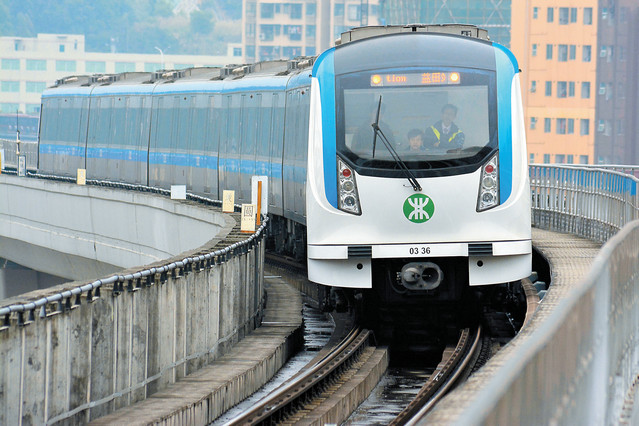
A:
[348,198]
[488,196]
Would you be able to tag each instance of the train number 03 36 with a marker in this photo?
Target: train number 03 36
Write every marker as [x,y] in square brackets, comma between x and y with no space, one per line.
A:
[419,250]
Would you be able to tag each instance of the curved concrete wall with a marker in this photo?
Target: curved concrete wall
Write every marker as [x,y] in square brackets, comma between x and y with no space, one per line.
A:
[87,356]
[84,232]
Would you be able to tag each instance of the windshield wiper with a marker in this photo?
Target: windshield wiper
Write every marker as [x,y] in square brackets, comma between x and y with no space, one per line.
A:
[409,175]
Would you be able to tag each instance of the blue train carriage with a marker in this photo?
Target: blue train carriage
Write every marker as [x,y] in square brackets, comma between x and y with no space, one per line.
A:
[208,128]
[395,204]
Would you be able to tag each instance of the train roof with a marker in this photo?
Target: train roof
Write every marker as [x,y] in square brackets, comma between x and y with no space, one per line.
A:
[360,33]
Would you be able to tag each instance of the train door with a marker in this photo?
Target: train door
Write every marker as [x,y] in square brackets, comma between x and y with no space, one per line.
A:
[265,105]
[180,144]
[197,159]
[301,152]
[102,137]
[116,162]
[83,105]
[288,169]
[223,136]
[275,163]
[249,123]
[231,141]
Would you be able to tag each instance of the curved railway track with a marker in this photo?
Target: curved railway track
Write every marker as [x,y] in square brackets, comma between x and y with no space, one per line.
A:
[296,394]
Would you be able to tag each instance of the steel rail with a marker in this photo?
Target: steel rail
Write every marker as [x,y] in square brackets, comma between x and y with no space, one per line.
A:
[441,382]
[293,395]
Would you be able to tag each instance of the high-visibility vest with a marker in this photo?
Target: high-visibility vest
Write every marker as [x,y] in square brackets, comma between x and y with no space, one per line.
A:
[438,135]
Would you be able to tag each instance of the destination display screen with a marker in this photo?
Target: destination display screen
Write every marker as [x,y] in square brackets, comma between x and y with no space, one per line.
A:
[415,79]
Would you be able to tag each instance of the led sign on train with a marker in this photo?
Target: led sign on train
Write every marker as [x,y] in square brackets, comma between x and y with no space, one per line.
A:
[415,79]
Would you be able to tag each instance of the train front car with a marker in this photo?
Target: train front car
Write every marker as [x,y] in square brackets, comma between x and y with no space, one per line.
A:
[417,179]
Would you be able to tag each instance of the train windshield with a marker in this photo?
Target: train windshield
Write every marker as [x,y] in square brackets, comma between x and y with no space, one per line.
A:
[432,120]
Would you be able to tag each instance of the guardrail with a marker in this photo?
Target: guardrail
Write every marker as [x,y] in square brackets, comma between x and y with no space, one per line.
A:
[578,366]
[77,355]
[28,149]
[591,202]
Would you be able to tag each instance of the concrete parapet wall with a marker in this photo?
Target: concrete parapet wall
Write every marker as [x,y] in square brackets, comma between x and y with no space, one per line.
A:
[75,231]
[90,355]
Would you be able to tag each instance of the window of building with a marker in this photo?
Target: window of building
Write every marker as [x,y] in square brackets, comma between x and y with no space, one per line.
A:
[339,9]
[310,9]
[550,14]
[573,15]
[33,109]
[587,15]
[250,9]
[250,51]
[152,66]
[561,126]
[124,67]
[583,159]
[562,53]
[11,64]
[68,66]
[95,66]
[268,32]
[584,126]
[549,51]
[585,53]
[570,159]
[601,126]
[296,11]
[610,90]
[571,126]
[250,30]
[9,108]
[560,158]
[547,125]
[533,86]
[61,48]
[571,89]
[604,13]
[535,12]
[354,12]
[620,127]
[534,49]
[310,50]
[549,88]
[572,55]
[36,86]
[602,52]
[602,88]
[533,123]
[10,86]
[294,32]
[291,51]
[36,65]
[562,89]
[532,158]
[267,10]
[563,15]
[310,31]
[546,158]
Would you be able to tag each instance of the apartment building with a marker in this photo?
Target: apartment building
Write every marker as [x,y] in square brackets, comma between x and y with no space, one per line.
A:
[29,65]
[556,46]
[284,29]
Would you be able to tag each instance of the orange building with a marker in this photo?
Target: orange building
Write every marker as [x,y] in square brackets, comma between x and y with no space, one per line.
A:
[555,43]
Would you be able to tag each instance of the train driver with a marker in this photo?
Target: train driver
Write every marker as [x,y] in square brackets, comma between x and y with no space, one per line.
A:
[445,135]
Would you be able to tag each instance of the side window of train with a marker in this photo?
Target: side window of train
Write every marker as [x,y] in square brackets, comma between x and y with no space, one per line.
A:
[103,127]
[118,120]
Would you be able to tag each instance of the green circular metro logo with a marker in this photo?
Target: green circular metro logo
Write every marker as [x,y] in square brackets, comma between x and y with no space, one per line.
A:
[418,208]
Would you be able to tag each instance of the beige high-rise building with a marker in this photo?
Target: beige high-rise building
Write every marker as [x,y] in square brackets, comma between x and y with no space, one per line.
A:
[284,29]
[28,65]
[556,46]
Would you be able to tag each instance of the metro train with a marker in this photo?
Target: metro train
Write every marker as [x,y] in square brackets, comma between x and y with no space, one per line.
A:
[363,178]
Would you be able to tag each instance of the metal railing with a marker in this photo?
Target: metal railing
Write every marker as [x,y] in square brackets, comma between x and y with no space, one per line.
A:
[146,277]
[579,365]
[28,149]
[591,202]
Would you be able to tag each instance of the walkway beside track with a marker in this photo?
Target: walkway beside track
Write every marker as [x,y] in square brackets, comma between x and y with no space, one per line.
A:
[206,394]
[570,259]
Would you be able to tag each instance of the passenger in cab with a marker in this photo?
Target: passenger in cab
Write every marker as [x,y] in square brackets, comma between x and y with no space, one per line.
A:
[445,135]
[415,141]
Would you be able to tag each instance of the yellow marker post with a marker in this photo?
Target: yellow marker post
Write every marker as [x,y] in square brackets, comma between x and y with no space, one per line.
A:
[81,178]
[248,218]
[259,201]
[228,201]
